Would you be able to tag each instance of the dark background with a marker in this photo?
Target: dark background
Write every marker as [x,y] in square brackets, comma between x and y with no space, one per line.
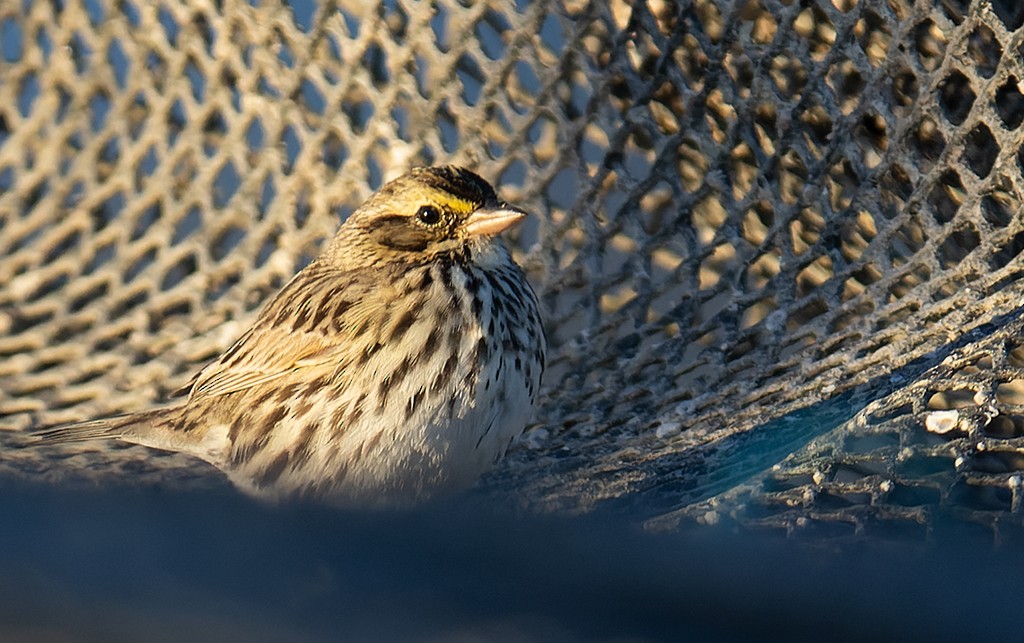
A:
[155,565]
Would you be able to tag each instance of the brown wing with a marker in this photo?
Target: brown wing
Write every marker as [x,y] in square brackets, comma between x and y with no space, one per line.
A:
[266,356]
[310,323]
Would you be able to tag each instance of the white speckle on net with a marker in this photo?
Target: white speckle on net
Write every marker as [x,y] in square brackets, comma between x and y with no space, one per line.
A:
[667,429]
[776,321]
[684,409]
[942,421]
[534,438]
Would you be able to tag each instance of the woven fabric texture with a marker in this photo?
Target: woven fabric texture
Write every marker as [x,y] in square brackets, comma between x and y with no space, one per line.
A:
[777,243]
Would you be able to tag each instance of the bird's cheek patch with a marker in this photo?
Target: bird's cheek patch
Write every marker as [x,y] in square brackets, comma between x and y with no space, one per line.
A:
[400,235]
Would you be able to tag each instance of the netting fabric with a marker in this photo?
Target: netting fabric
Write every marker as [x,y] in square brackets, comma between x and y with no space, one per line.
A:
[777,243]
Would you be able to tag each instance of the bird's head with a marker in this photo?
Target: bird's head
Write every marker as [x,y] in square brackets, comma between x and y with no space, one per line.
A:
[421,215]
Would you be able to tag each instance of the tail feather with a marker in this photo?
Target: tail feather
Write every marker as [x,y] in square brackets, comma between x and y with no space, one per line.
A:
[129,427]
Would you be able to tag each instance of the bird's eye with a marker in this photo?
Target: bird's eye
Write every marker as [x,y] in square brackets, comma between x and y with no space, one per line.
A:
[428,215]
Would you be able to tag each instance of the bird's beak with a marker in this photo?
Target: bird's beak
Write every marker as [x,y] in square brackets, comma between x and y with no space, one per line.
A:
[490,220]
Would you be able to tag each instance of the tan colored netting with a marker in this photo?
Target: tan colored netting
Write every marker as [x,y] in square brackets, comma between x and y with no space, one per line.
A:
[752,219]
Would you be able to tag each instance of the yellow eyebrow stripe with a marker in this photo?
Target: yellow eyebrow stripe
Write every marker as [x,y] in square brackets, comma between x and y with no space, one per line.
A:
[455,204]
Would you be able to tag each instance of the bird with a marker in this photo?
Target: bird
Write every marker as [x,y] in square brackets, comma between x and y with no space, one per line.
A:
[395,368]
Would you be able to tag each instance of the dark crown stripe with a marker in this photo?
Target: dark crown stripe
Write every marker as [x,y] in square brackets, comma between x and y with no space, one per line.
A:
[459,182]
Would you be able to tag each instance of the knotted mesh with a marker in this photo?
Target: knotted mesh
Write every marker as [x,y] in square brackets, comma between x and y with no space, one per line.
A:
[776,243]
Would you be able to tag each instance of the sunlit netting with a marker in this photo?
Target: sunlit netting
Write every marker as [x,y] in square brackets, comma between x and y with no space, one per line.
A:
[777,243]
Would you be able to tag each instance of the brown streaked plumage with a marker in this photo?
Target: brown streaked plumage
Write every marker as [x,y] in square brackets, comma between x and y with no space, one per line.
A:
[399,364]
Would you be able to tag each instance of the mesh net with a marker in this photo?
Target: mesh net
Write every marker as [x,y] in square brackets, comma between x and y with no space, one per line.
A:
[777,243]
